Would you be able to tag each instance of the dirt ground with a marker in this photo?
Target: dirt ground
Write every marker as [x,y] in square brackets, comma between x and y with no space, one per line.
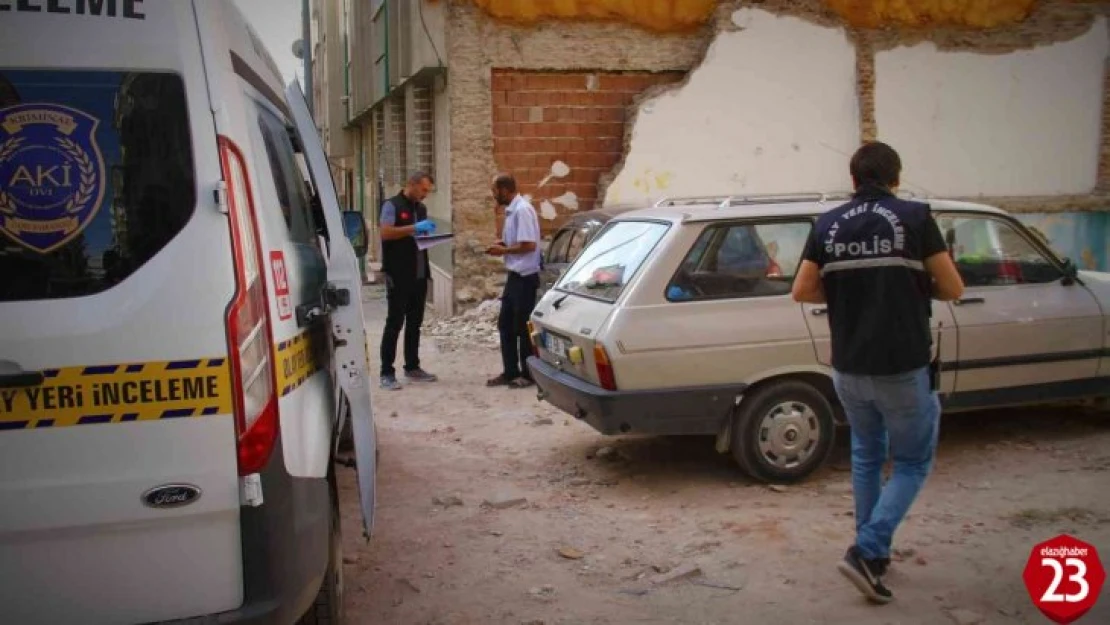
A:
[596,535]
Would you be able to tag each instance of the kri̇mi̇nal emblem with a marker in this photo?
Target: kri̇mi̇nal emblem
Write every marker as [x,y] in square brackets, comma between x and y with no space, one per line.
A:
[51,174]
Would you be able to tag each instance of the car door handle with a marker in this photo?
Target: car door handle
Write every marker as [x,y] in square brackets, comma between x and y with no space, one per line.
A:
[969,300]
[817,312]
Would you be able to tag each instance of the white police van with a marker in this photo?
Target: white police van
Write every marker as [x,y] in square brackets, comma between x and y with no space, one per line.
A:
[181,333]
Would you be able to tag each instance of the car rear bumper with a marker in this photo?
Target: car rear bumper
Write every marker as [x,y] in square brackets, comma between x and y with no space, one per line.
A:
[670,411]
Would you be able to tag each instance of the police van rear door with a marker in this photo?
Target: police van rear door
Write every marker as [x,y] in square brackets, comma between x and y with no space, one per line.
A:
[343,303]
[119,493]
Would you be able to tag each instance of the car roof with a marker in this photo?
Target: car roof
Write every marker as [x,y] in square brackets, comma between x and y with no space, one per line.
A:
[725,208]
[602,214]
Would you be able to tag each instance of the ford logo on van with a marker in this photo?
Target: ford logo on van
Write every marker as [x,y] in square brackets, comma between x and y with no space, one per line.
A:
[171,496]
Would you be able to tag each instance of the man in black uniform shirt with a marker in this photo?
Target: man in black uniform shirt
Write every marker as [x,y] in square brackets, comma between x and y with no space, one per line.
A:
[878,261]
[405,266]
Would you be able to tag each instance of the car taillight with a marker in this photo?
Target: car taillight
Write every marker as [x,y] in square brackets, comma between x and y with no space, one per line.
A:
[249,335]
[604,368]
[534,337]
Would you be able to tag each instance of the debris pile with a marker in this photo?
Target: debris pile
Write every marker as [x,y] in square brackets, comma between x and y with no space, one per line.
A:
[476,327]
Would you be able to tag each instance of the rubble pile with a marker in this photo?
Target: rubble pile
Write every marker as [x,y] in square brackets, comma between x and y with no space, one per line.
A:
[476,327]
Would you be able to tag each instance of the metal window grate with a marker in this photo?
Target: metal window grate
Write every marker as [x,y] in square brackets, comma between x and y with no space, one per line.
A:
[423,130]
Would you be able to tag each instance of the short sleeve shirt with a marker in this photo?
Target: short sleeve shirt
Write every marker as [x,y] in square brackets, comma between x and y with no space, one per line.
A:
[522,225]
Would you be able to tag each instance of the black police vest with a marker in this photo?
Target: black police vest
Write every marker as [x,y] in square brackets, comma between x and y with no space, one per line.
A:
[871,254]
[399,256]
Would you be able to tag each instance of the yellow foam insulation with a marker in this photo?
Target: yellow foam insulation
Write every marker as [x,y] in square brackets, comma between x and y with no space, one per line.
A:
[657,15]
[924,13]
[684,15]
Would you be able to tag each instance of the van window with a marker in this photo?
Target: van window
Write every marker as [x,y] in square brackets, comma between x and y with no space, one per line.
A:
[612,259]
[96,177]
[290,183]
[740,260]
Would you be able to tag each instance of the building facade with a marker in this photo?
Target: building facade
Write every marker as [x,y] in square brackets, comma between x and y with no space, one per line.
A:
[604,102]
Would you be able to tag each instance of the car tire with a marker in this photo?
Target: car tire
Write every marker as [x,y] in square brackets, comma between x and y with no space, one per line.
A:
[783,432]
[327,609]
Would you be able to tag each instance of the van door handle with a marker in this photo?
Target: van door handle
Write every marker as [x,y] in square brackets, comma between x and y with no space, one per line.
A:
[308,314]
[817,312]
[969,300]
[22,379]
[331,298]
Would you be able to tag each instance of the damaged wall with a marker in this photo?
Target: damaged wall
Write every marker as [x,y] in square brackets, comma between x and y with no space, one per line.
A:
[559,132]
[679,15]
[1010,112]
[761,114]
[1026,123]
[782,93]
[477,45]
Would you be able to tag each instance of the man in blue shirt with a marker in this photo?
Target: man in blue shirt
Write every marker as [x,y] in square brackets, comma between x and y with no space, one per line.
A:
[519,245]
[878,261]
[405,266]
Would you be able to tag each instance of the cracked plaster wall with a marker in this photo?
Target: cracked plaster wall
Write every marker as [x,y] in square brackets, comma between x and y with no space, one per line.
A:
[764,115]
[1026,123]
[478,44]
[761,114]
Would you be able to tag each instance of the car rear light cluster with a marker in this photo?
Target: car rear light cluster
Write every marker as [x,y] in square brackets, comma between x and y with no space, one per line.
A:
[535,338]
[605,374]
[248,323]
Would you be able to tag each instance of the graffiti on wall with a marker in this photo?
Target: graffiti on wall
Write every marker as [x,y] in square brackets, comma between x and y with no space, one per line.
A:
[1083,237]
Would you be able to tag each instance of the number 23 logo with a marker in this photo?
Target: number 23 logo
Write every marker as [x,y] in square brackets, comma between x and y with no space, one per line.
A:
[1051,594]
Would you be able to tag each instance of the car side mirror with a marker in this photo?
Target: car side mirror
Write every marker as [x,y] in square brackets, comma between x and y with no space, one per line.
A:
[354,226]
[1071,271]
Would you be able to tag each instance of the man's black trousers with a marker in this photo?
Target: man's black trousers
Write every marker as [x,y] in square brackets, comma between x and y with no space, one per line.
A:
[406,301]
[517,301]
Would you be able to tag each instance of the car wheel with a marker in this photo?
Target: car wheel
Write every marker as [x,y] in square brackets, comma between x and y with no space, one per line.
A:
[783,432]
[328,607]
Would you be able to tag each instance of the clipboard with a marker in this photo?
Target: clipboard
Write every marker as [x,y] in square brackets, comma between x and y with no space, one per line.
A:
[432,240]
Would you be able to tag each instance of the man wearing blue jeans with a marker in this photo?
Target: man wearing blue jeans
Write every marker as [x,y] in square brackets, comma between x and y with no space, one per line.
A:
[878,261]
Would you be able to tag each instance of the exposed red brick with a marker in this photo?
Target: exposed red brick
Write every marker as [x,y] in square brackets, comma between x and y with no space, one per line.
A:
[585,129]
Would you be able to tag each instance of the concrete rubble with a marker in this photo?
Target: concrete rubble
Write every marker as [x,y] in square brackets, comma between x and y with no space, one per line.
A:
[475,328]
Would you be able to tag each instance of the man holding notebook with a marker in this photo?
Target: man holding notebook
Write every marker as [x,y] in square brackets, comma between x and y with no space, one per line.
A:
[405,265]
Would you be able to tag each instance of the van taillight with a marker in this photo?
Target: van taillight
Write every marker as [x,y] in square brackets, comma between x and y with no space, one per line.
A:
[604,368]
[249,335]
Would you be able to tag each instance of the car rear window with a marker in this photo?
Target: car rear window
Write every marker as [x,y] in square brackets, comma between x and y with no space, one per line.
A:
[611,260]
[96,177]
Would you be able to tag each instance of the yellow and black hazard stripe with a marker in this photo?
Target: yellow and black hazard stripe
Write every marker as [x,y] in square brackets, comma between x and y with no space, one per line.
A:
[120,393]
[126,393]
[299,358]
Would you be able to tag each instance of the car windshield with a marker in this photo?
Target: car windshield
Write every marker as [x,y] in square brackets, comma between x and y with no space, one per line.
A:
[611,260]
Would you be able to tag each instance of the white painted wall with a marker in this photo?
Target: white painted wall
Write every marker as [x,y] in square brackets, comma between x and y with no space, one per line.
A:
[1025,123]
[772,109]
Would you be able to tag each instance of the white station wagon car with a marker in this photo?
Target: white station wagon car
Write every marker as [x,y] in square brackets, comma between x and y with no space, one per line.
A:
[678,319]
